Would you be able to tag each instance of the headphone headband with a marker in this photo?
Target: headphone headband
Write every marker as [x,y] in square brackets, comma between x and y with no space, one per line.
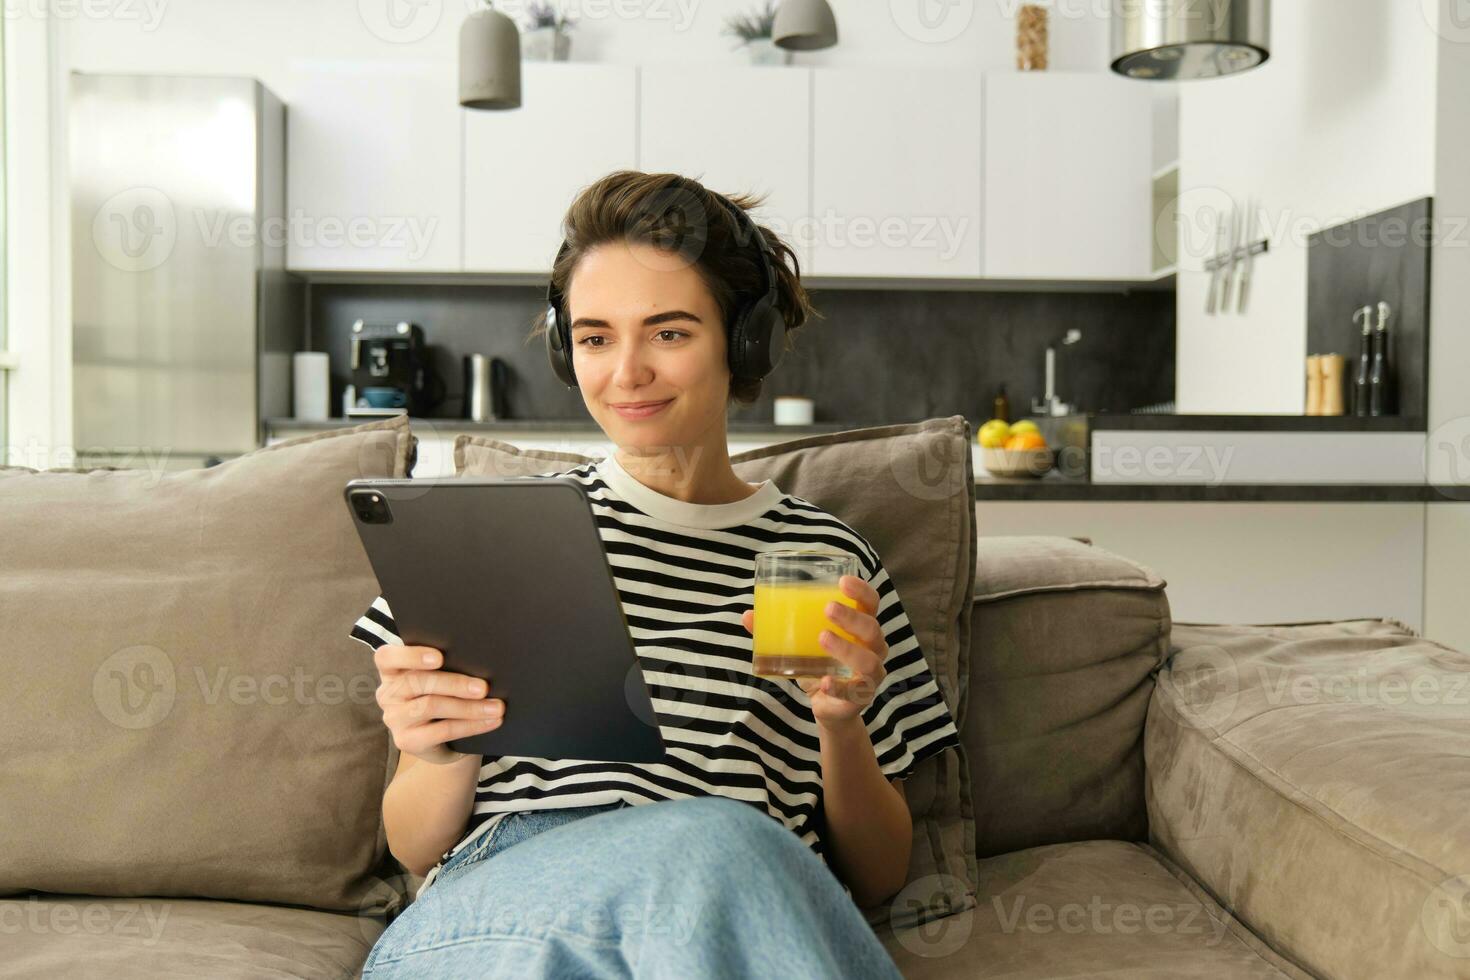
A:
[756,335]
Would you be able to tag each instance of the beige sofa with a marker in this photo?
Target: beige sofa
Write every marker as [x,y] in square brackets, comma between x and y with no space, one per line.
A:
[192,769]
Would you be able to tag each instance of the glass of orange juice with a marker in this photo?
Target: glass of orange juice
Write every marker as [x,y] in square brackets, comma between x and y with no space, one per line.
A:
[792,589]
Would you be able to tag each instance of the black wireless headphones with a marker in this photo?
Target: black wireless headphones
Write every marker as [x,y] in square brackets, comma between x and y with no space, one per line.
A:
[756,337]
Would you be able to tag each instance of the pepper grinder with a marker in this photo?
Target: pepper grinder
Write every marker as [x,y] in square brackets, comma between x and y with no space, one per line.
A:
[1380,379]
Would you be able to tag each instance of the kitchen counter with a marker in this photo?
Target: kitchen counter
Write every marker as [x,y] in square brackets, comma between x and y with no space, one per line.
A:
[1250,423]
[1055,487]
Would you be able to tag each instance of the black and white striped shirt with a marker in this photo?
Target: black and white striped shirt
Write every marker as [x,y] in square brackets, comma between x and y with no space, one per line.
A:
[685,574]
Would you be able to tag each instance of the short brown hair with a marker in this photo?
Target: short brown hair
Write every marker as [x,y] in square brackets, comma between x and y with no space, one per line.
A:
[679,214]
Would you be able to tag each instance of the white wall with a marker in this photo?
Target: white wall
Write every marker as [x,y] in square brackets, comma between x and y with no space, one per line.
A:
[273,39]
[264,37]
[1339,123]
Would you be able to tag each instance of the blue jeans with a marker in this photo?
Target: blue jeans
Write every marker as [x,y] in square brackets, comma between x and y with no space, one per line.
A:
[700,887]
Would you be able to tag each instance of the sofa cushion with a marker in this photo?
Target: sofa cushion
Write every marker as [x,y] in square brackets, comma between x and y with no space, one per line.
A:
[1316,777]
[909,490]
[1066,637]
[1091,909]
[48,936]
[195,720]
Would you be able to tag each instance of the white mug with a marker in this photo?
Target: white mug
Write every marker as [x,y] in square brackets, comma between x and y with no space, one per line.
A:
[790,410]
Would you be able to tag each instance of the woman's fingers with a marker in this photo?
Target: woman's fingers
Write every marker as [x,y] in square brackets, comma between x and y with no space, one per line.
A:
[422,738]
[858,658]
[396,656]
[432,707]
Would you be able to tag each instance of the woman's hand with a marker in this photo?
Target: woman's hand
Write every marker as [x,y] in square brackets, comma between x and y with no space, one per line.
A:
[424,707]
[835,701]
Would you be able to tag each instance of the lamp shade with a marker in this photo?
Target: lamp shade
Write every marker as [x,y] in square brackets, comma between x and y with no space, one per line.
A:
[489,61]
[1179,40]
[804,25]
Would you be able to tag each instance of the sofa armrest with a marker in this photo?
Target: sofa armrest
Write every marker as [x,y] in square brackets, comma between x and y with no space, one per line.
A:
[1315,779]
[1065,638]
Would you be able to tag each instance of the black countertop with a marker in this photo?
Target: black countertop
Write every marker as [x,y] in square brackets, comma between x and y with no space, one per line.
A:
[1251,423]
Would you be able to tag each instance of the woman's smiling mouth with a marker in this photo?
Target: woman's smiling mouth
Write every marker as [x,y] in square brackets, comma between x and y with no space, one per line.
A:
[640,410]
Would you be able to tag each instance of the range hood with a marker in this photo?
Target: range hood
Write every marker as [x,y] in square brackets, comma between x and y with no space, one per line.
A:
[1179,40]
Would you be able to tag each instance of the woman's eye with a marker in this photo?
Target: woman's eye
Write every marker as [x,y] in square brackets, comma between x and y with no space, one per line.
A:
[677,333]
[584,341]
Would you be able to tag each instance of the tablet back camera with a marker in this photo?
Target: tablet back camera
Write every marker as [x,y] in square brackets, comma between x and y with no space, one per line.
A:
[371,507]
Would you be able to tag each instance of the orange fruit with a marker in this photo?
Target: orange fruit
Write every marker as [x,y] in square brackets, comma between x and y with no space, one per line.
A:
[1026,440]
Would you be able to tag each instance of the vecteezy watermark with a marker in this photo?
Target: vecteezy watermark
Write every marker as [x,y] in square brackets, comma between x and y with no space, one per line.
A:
[400,21]
[923,901]
[1202,221]
[147,13]
[1099,917]
[928,470]
[1447,458]
[1198,464]
[1205,681]
[136,687]
[932,21]
[679,13]
[1445,917]
[41,456]
[139,228]
[1363,686]
[944,234]
[410,235]
[140,922]
[1450,19]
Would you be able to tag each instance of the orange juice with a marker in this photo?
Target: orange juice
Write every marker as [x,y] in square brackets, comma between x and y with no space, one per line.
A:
[789,617]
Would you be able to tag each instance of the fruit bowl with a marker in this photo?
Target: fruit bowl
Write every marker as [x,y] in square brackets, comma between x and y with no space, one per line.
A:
[1017,462]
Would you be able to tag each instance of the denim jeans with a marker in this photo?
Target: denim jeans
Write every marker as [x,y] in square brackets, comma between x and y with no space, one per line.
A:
[690,888]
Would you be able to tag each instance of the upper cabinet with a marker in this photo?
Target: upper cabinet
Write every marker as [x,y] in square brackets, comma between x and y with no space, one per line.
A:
[735,129]
[877,172]
[373,168]
[896,172]
[523,167]
[1068,176]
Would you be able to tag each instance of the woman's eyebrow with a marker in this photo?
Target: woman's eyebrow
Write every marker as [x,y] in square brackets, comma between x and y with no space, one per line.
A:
[648,321]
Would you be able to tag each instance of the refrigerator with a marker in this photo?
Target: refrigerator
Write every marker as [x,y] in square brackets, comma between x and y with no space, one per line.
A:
[184,319]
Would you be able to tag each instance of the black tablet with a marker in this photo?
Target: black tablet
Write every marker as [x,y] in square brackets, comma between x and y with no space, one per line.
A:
[508,577]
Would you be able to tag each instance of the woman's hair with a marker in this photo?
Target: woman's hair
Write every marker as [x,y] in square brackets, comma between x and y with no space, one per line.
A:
[678,214]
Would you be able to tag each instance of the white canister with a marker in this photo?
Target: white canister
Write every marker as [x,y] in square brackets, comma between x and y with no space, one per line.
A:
[310,384]
[790,410]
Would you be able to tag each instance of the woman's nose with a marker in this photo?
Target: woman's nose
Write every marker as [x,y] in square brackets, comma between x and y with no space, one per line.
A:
[632,365]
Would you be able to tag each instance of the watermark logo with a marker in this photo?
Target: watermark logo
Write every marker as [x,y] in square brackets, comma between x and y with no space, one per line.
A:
[135,229]
[934,937]
[1445,917]
[139,923]
[932,21]
[1450,19]
[928,469]
[134,688]
[1206,680]
[400,21]
[148,14]
[1102,918]
[1447,458]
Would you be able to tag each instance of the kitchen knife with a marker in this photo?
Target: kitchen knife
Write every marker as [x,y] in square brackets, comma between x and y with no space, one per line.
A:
[1215,262]
[1227,284]
[1249,258]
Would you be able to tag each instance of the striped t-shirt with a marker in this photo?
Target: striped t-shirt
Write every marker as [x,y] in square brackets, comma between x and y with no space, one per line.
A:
[685,574]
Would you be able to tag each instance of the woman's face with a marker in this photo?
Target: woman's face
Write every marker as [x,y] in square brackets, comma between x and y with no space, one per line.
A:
[645,328]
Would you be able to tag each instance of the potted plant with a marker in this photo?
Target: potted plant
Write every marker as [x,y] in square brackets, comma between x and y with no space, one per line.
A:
[545,37]
[754,31]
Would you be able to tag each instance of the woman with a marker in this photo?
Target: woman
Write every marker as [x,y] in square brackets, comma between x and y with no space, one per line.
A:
[780,809]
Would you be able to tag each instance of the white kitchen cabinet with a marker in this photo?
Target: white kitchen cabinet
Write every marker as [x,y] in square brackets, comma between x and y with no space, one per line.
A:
[524,167]
[1068,176]
[373,168]
[896,172]
[737,128]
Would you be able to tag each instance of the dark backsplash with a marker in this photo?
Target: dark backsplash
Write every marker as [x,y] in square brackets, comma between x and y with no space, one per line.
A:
[875,357]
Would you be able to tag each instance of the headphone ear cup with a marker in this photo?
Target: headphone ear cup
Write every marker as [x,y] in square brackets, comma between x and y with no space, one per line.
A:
[557,349]
[762,340]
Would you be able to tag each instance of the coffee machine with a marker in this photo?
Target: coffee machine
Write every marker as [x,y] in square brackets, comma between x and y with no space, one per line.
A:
[391,373]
